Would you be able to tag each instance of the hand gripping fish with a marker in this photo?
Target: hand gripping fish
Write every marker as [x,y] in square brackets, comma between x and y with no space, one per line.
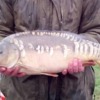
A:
[45,52]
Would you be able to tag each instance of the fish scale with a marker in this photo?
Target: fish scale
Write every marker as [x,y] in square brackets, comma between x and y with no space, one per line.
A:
[44,52]
[62,34]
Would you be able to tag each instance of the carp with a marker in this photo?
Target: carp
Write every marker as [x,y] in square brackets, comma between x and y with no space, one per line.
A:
[46,52]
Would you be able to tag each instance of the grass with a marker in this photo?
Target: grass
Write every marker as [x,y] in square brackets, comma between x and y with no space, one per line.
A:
[97,85]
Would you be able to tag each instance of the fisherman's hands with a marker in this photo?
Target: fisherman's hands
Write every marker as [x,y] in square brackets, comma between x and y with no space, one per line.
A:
[76,65]
[11,71]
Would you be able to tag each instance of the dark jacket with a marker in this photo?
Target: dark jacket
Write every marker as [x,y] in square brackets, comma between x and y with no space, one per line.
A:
[78,16]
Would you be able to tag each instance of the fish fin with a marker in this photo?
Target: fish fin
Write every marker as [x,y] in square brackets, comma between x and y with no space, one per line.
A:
[43,73]
[50,74]
[98,63]
[89,63]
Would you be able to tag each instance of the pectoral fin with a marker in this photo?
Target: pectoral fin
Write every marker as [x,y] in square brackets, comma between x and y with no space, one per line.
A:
[43,73]
[50,74]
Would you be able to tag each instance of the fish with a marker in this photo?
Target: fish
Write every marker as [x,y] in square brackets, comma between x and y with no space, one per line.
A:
[42,52]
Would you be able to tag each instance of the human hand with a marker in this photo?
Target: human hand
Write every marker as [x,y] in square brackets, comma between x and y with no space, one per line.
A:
[11,71]
[76,65]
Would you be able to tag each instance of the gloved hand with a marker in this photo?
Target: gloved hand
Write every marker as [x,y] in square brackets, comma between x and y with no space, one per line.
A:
[76,65]
[11,71]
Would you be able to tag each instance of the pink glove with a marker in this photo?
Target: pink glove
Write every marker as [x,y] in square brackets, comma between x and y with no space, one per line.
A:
[76,65]
[11,71]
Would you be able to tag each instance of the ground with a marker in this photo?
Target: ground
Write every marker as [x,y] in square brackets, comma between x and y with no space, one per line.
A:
[97,87]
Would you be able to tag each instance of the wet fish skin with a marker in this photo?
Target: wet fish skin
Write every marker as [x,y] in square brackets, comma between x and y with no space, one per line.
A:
[45,52]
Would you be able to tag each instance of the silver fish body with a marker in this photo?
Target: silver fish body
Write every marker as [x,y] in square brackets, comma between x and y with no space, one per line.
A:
[45,52]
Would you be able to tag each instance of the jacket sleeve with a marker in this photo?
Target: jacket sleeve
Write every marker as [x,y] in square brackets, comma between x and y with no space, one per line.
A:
[6,18]
[90,20]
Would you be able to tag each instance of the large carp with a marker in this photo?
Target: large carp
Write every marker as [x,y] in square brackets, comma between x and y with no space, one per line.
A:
[46,52]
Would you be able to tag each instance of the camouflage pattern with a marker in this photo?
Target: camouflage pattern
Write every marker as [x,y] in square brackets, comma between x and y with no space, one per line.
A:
[78,16]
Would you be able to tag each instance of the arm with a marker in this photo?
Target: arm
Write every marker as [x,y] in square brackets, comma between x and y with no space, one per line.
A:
[6,18]
[90,20]
[89,29]
[6,28]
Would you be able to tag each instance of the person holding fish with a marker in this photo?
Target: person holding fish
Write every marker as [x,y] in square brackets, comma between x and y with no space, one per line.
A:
[81,17]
